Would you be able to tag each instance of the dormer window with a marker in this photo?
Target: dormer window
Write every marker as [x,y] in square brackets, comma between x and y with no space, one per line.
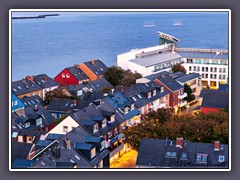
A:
[15,103]
[95,128]
[19,87]
[132,107]
[39,121]
[162,89]
[149,95]
[109,134]
[126,110]
[63,75]
[20,138]
[104,123]
[30,139]
[112,119]
[26,125]
[14,89]
[93,153]
[80,92]
[139,96]
[154,92]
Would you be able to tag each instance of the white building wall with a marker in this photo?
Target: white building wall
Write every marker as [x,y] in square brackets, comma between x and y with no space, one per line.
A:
[48,89]
[123,59]
[68,121]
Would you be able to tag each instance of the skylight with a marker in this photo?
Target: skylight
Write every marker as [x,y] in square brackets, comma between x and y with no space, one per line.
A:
[133,98]
[139,96]
[173,154]
[168,153]
[37,100]
[14,134]
[78,158]
[221,158]
[19,87]
[66,104]
[14,89]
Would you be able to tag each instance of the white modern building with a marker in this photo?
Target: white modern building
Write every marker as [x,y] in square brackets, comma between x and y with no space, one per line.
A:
[211,64]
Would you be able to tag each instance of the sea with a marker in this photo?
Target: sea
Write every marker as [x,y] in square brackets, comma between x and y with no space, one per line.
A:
[48,45]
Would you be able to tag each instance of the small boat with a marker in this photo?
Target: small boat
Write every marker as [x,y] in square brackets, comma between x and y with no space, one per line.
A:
[149,25]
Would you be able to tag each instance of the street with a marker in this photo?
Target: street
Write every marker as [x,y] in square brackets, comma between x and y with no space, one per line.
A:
[128,160]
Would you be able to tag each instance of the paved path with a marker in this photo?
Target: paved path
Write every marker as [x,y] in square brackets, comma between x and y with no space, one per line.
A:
[128,160]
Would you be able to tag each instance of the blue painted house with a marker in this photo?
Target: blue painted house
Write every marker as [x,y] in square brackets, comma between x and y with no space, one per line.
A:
[17,105]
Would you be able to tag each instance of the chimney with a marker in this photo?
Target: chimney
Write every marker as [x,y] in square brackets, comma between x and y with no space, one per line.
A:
[76,65]
[31,78]
[216,146]
[74,102]
[92,61]
[179,142]
[45,78]
[68,143]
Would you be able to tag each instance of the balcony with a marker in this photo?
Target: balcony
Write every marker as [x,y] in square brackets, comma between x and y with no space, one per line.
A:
[182,103]
[181,96]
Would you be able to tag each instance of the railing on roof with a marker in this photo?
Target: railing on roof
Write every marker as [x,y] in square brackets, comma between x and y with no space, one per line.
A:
[202,50]
[151,53]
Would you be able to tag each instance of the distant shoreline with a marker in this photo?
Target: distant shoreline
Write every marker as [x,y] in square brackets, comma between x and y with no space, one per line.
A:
[35,17]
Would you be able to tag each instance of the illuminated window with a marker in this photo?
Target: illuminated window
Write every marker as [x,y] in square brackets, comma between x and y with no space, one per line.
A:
[112,119]
[149,95]
[95,128]
[154,92]
[104,123]
[93,153]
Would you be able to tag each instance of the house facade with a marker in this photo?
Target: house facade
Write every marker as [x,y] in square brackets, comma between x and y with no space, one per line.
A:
[71,76]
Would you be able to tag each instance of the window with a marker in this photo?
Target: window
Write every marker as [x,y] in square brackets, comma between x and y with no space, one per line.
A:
[27,125]
[115,131]
[139,96]
[132,106]
[173,154]
[220,76]
[104,123]
[14,89]
[215,76]
[211,76]
[215,69]
[65,129]
[63,75]
[194,68]
[202,68]
[134,99]
[211,69]
[102,145]
[162,89]
[112,119]
[154,92]
[206,69]
[109,134]
[184,156]
[194,90]
[224,76]
[79,93]
[190,68]
[39,121]
[198,68]
[19,87]
[220,70]
[201,158]
[224,70]
[149,95]
[221,158]
[29,139]
[68,75]
[20,138]
[95,128]
[126,110]
[15,102]
[206,76]
[168,154]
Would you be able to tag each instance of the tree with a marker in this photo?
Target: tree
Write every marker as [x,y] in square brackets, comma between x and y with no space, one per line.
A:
[56,93]
[118,77]
[178,67]
[201,127]
[190,97]
[114,75]
[130,78]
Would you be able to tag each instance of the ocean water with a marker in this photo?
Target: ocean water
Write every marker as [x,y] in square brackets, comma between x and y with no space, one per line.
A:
[50,44]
